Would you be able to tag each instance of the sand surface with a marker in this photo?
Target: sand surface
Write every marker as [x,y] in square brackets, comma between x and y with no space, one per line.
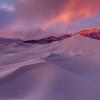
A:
[64,70]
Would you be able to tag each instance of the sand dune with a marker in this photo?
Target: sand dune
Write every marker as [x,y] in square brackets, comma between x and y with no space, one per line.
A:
[63,70]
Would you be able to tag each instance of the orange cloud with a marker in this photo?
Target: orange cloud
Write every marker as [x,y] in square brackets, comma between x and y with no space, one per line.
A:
[52,12]
[75,10]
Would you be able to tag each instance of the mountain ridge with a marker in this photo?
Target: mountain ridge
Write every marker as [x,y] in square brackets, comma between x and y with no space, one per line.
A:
[92,33]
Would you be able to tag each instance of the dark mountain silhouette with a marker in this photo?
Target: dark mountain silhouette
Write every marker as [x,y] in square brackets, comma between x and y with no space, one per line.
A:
[93,34]
[48,39]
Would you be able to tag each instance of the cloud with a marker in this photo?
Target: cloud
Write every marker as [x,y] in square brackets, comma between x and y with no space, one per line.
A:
[7,8]
[7,15]
[5,18]
[44,9]
[52,12]
[48,16]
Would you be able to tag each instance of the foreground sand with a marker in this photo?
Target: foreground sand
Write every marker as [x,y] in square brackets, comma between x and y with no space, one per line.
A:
[66,70]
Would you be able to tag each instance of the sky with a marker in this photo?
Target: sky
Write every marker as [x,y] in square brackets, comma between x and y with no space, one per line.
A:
[20,18]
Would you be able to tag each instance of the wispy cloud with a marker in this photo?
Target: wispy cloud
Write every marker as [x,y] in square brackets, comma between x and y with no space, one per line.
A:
[9,8]
[57,11]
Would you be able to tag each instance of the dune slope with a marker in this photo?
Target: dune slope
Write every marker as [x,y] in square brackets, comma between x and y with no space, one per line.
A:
[63,70]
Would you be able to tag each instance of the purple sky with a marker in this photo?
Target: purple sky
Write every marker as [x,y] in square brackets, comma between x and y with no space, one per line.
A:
[22,17]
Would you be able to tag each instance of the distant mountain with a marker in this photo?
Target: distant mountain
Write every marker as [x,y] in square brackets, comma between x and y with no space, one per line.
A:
[94,33]
[48,39]
[9,41]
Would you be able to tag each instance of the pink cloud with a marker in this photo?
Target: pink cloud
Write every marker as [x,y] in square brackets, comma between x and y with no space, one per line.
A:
[57,11]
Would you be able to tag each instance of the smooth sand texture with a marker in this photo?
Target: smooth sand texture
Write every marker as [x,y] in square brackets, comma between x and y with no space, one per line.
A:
[64,70]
